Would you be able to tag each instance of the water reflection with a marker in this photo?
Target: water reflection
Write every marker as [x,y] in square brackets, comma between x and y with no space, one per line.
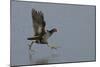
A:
[37,61]
[33,59]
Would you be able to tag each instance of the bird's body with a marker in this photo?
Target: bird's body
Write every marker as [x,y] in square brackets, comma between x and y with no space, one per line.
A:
[41,35]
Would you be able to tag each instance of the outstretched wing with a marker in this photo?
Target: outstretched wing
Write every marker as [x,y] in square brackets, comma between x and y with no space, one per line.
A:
[38,22]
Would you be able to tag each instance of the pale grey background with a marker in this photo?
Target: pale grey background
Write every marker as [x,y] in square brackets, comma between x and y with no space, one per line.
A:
[75,36]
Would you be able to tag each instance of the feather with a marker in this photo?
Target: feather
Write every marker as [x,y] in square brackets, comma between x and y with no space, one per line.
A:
[38,22]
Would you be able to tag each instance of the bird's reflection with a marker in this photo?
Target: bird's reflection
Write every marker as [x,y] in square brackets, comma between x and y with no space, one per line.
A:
[30,56]
[42,60]
[38,61]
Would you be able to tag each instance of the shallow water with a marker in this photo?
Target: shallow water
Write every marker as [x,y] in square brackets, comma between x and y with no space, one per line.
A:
[75,36]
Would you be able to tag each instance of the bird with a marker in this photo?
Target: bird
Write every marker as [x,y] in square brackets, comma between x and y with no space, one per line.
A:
[41,34]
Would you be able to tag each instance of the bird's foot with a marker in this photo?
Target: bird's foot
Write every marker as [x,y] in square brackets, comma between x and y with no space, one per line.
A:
[53,46]
[30,48]
[30,45]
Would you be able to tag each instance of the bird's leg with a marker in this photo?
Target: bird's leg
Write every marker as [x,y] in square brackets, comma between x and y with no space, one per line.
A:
[47,45]
[31,45]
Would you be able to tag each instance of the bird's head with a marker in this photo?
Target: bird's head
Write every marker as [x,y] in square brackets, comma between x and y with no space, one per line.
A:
[54,30]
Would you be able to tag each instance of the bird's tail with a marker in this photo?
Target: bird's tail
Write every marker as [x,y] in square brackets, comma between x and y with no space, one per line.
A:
[30,38]
[34,38]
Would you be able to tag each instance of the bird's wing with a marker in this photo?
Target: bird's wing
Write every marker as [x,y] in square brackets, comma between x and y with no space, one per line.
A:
[38,22]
